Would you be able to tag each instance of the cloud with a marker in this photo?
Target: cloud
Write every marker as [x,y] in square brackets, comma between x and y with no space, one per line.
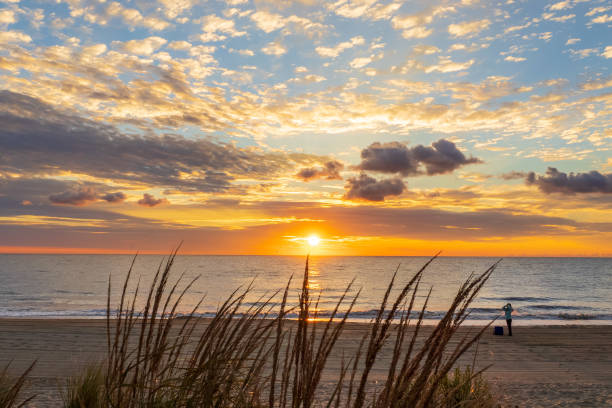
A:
[330,171]
[603,19]
[82,196]
[174,8]
[395,157]
[445,64]
[148,200]
[607,53]
[38,139]
[274,48]
[9,37]
[116,197]
[601,83]
[7,17]
[415,25]
[597,10]
[212,25]
[513,175]
[269,22]
[131,17]
[360,62]
[468,28]
[417,32]
[333,52]
[145,46]
[562,5]
[515,59]
[556,181]
[368,188]
[366,9]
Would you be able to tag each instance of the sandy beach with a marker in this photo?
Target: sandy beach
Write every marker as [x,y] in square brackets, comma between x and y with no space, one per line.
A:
[543,366]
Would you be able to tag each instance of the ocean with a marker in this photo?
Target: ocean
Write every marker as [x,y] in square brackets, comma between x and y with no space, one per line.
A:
[541,290]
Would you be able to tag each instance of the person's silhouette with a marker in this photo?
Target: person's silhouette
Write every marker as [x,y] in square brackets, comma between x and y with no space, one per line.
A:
[508,309]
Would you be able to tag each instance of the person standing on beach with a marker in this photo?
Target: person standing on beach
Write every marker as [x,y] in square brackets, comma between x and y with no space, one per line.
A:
[508,309]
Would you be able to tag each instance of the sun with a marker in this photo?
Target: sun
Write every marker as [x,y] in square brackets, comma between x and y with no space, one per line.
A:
[313,240]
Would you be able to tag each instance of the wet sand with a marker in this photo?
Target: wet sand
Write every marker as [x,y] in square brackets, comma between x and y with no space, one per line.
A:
[541,366]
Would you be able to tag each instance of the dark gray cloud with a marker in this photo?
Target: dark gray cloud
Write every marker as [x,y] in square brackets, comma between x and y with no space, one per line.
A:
[368,188]
[148,200]
[431,223]
[329,171]
[442,157]
[397,158]
[513,175]
[39,139]
[82,196]
[115,197]
[556,181]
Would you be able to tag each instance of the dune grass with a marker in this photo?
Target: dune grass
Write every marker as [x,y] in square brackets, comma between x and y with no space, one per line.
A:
[11,388]
[252,355]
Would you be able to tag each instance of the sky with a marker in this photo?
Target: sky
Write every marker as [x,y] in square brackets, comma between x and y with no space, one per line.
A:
[478,128]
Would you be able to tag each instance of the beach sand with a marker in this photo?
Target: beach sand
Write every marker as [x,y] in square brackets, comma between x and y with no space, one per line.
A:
[544,366]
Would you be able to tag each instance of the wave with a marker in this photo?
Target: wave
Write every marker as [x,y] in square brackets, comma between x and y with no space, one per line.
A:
[519,299]
[475,314]
[577,316]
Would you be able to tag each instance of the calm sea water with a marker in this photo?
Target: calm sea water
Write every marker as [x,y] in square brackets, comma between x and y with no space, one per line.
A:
[542,290]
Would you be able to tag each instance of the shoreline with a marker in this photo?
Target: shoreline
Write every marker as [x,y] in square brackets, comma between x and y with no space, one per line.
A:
[523,323]
[547,365]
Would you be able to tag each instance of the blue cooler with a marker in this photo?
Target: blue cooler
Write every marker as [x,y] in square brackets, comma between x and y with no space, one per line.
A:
[498,330]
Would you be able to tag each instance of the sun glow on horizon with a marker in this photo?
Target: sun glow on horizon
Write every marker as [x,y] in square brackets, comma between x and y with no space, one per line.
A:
[313,240]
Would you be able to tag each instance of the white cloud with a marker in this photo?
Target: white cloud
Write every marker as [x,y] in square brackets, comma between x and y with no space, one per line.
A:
[597,10]
[268,22]
[94,50]
[417,32]
[584,52]
[129,16]
[360,62]
[562,5]
[212,25]
[425,50]
[558,19]
[7,17]
[333,52]
[445,64]
[607,53]
[146,46]
[515,59]
[604,18]
[174,8]
[415,25]
[572,41]
[274,48]
[180,45]
[516,28]
[366,9]
[7,37]
[308,79]
[468,28]
[245,52]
